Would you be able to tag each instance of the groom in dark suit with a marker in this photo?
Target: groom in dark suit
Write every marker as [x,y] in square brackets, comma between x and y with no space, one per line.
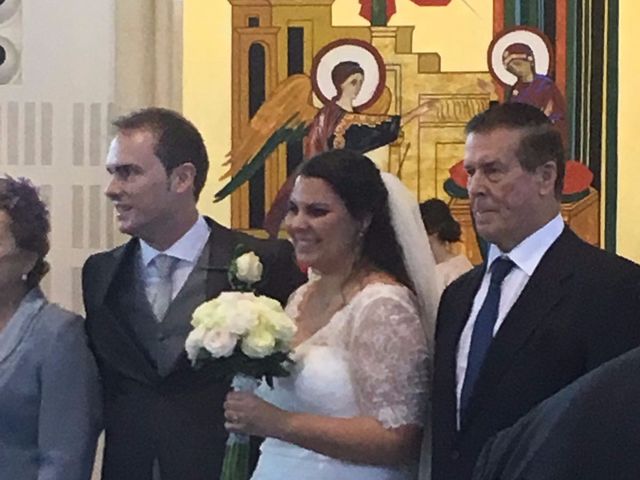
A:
[163,419]
[544,309]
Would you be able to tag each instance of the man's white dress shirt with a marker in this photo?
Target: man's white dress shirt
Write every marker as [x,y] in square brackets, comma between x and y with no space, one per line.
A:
[187,249]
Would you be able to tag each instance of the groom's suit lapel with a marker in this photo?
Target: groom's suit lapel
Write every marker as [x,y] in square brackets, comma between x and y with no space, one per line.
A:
[222,243]
[117,341]
[221,246]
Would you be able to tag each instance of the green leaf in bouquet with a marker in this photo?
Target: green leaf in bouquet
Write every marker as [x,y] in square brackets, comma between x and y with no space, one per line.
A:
[224,369]
[201,360]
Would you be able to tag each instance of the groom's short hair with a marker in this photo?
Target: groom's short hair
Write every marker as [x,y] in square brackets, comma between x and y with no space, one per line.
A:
[178,141]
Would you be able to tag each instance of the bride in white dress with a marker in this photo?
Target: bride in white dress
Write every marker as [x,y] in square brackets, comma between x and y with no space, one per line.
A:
[356,404]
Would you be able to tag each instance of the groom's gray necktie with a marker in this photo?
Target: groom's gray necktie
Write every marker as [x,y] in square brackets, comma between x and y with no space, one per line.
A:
[162,292]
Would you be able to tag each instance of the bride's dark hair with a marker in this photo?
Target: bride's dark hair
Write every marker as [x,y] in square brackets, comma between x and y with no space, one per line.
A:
[357,181]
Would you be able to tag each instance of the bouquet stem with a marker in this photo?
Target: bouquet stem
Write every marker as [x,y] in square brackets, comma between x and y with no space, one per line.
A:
[235,465]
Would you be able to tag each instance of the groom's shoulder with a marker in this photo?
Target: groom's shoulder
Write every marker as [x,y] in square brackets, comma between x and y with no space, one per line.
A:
[99,260]
[106,255]
[262,246]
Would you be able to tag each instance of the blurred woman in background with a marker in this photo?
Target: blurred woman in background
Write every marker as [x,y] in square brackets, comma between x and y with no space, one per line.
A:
[443,231]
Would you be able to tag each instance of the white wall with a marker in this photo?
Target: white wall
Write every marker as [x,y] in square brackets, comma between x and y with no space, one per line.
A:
[54,126]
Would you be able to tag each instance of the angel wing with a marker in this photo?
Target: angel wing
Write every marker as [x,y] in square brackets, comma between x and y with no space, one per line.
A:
[284,116]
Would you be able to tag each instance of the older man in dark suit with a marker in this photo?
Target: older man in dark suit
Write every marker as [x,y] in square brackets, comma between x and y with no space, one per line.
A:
[163,419]
[544,309]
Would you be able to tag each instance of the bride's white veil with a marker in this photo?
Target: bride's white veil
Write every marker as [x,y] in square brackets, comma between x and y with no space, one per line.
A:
[421,267]
[416,251]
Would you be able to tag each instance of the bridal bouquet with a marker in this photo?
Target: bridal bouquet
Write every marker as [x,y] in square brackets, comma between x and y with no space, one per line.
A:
[248,336]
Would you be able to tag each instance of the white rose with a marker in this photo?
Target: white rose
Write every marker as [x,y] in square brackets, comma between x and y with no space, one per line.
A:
[194,342]
[269,303]
[280,324]
[259,343]
[249,268]
[206,314]
[242,318]
[220,343]
[231,297]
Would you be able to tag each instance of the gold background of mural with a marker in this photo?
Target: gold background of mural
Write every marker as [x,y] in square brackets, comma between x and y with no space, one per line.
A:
[426,149]
[458,36]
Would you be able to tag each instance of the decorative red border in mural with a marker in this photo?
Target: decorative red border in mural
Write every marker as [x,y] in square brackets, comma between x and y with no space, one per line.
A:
[431,3]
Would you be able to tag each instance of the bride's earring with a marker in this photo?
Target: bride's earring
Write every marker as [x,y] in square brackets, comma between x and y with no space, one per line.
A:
[24,277]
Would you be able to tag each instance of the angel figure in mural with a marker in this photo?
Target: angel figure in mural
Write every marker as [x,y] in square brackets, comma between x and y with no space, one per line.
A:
[353,116]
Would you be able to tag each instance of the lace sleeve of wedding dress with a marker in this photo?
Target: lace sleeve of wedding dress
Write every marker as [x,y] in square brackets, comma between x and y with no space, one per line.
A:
[389,357]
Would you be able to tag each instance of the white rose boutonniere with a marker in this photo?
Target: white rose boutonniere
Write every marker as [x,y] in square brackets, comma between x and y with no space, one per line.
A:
[249,268]
[245,270]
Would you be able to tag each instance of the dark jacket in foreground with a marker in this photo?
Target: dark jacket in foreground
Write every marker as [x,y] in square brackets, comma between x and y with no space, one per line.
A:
[588,431]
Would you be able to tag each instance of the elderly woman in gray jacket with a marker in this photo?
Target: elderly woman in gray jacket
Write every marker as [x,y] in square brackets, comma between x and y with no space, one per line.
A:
[49,392]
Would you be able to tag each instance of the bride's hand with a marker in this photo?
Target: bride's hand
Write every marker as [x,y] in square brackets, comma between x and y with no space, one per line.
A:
[246,413]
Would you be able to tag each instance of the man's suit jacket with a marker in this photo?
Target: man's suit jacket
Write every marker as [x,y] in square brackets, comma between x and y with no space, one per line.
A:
[175,418]
[590,430]
[579,309]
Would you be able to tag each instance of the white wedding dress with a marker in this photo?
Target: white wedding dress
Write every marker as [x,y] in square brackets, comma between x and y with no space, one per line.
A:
[369,360]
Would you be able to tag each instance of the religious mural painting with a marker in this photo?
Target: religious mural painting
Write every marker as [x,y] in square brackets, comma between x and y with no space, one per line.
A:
[273,42]
[301,84]
[348,79]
